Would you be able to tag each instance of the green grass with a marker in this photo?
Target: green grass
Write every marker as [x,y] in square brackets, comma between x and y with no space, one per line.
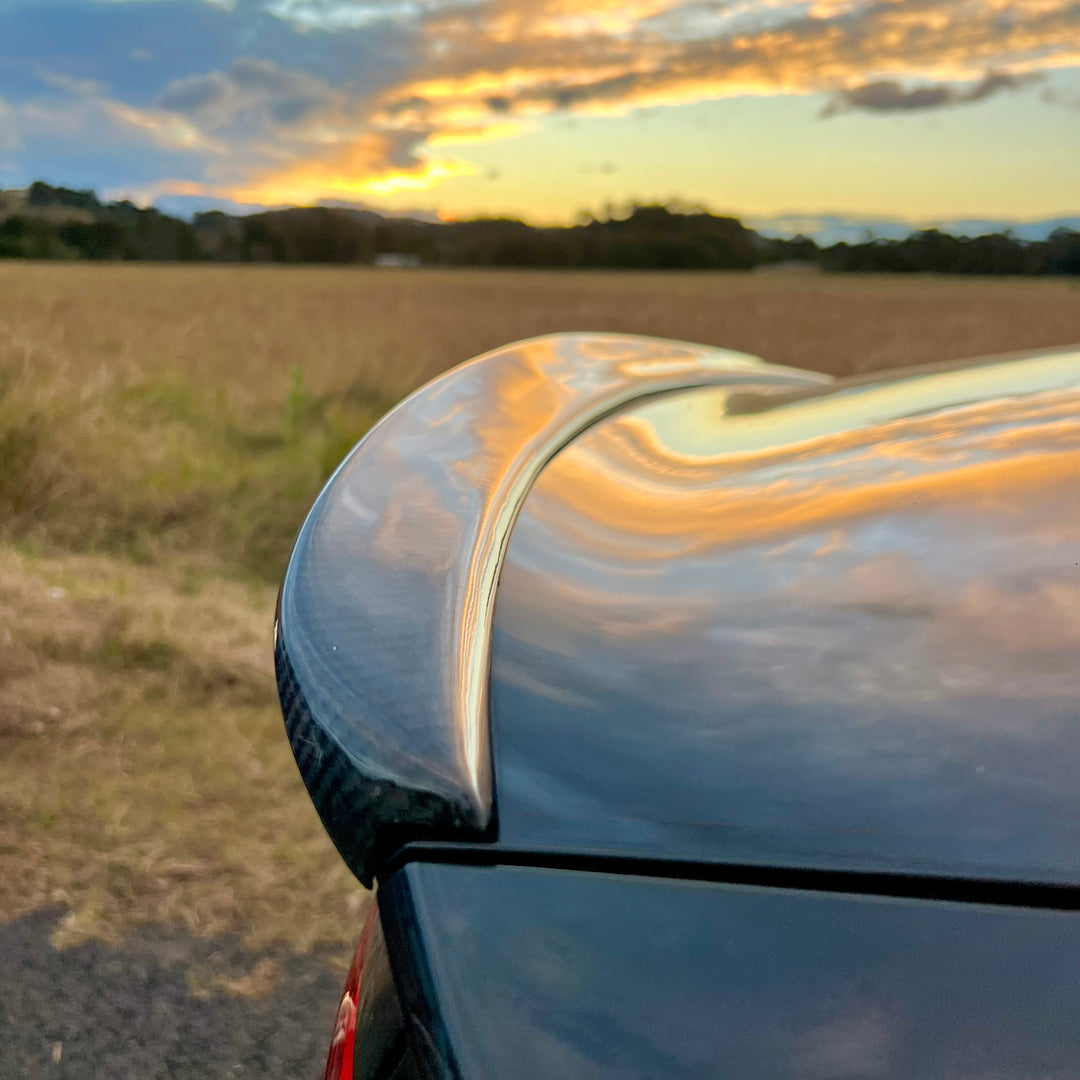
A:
[175,469]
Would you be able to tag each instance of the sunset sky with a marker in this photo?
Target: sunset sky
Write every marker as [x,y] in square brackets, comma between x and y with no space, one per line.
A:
[912,110]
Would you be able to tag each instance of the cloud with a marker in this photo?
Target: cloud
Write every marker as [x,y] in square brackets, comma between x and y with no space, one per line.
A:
[258,92]
[360,95]
[336,15]
[524,58]
[84,88]
[85,103]
[298,139]
[194,94]
[888,95]
[1060,96]
[377,163]
[165,129]
[858,1041]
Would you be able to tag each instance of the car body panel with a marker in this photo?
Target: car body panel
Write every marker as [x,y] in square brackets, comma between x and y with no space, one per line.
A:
[559,975]
[699,718]
[383,631]
[839,631]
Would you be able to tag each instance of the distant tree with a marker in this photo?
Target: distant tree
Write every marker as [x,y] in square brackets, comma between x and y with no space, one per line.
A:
[803,249]
[39,195]
[316,235]
[95,240]
[1062,252]
[631,236]
[12,230]
[23,237]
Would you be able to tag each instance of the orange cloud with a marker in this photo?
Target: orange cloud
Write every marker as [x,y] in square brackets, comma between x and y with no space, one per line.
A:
[182,187]
[522,58]
[368,165]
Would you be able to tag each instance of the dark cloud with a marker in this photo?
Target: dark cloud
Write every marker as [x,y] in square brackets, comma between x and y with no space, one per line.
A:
[1059,96]
[255,89]
[411,104]
[194,94]
[290,111]
[888,96]
[398,149]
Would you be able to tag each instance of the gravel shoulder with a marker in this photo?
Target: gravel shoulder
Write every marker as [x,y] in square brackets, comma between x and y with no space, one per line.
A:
[162,1003]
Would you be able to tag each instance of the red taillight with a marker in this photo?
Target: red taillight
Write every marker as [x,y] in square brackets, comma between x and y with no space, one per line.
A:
[339,1063]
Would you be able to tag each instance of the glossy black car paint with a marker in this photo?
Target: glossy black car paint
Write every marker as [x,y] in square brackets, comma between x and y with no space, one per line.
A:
[777,678]
[839,633]
[530,974]
[382,640]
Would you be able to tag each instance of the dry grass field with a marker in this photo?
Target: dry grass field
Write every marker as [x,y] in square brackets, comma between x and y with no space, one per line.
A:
[162,432]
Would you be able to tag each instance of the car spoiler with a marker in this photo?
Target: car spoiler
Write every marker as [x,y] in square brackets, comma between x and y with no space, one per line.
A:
[382,636]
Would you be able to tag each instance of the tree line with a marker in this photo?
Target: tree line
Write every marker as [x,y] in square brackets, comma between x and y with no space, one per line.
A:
[56,223]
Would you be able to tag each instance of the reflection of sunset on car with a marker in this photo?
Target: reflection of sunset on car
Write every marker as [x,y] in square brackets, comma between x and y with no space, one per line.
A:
[735,631]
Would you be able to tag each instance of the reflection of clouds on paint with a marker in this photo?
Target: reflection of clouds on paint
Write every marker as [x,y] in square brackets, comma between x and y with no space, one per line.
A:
[857,1041]
[818,464]
[858,529]
[884,615]
[1039,617]
[409,535]
[619,976]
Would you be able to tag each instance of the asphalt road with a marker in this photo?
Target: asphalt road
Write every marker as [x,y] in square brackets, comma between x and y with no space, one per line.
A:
[154,1007]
